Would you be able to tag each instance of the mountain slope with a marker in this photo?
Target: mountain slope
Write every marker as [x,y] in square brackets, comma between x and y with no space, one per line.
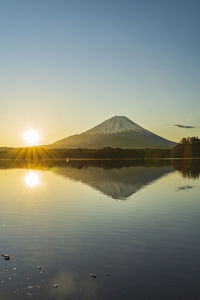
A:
[116,132]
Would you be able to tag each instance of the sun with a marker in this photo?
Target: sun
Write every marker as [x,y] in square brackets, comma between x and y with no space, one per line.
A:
[31,137]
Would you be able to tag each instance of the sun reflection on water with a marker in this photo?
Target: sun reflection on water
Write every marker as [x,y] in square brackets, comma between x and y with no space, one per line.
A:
[31,179]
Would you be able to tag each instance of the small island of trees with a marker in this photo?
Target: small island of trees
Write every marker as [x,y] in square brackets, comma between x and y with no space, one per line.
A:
[188,147]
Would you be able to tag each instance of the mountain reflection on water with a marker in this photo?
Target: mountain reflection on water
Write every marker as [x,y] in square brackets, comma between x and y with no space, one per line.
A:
[117,183]
[118,179]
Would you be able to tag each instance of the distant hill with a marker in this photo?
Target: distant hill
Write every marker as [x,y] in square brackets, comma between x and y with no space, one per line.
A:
[117,132]
[2,149]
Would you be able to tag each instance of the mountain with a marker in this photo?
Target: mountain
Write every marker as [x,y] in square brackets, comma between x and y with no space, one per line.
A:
[117,132]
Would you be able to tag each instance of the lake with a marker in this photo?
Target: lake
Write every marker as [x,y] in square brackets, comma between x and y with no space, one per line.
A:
[134,225]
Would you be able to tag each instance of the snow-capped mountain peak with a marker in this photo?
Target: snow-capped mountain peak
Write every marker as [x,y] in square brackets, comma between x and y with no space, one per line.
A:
[116,124]
[116,132]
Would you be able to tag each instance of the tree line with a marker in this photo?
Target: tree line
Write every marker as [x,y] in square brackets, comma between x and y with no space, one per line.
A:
[188,147]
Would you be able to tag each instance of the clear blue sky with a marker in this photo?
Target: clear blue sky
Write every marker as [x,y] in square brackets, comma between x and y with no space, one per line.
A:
[66,65]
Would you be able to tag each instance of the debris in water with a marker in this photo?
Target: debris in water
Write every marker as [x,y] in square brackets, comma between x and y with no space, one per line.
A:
[55,285]
[93,275]
[6,256]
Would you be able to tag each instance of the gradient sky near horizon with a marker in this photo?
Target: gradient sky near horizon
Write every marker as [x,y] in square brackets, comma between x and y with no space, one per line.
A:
[66,66]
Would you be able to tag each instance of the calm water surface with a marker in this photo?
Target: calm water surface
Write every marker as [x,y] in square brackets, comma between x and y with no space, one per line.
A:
[135,226]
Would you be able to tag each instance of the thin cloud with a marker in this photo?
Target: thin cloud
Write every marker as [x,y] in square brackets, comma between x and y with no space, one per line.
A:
[184,126]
